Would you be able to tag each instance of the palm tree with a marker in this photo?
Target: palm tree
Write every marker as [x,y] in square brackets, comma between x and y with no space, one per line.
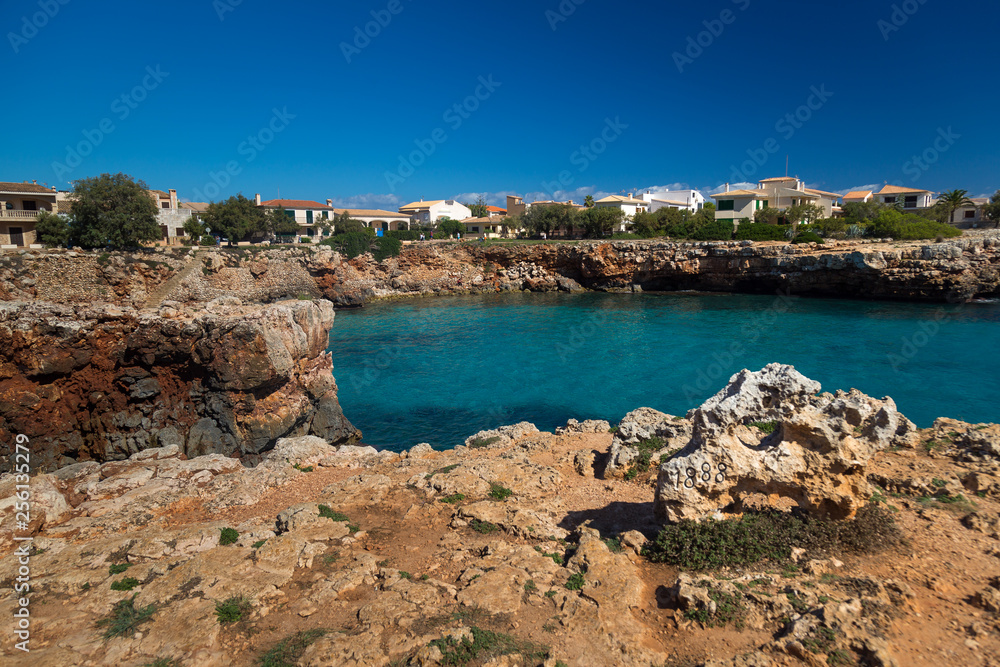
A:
[953,200]
[588,201]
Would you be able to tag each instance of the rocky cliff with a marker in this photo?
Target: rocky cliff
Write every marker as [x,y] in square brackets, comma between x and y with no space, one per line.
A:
[102,382]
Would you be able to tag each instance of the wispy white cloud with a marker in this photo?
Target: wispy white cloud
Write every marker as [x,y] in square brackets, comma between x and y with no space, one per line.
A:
[732,186]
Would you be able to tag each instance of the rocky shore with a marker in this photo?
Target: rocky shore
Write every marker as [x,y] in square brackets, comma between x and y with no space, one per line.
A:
[102,382]
[523,547]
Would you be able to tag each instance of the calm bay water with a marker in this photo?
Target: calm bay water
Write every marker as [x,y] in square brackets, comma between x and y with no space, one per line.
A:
[440,369]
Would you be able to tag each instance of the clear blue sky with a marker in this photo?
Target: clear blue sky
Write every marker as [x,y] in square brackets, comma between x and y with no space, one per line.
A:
[920,85]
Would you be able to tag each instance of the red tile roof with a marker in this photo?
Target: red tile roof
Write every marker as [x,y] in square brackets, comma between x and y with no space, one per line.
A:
[496,209]
[26,187]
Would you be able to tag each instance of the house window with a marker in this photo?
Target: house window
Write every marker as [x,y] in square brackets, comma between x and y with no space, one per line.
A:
[475,230]
[290,214]
[970,215]
[890,200]
[29,205]
[727,204]
[165,204]
[911,202]
[309,219]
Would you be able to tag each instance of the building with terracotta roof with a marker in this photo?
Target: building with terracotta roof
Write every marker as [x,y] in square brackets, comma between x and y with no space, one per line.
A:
[309,215]
[375,218]
[20,204]
[496,212]
[781,193]
[910,198]
[858,197]
[430,212]
[628,205]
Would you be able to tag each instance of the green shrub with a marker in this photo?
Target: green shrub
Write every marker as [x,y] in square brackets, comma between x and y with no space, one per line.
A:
[719,230]
[404,234]
[759,231]
[766,427]
[386,247]
[808,237]
[232,610]
[575,582]
[829,226]
[124,619]
[305,239]
[909,226]
[481,443]
[119,568]
[327,513]
[126,584]
[228,536]
[454,498]
[289,650]
[259,543]
[500,492]
[486,644]
[351,244]
[484,527]
[728,608]
[761,536]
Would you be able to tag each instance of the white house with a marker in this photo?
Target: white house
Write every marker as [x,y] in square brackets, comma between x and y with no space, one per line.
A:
[375,218]
[911,198]
[429,212]
[859,197]
[971,215]
[684,200]
[20,204]
[629,206]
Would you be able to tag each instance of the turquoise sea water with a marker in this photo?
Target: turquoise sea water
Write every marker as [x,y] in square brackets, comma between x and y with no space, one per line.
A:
[440,369]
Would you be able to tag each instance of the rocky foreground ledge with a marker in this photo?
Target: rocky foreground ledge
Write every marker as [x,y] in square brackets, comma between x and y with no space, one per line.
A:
[102,382]
[523,547]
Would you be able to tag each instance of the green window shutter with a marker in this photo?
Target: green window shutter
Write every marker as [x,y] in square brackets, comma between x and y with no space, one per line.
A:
[290,214]
[309,217]
[727,205]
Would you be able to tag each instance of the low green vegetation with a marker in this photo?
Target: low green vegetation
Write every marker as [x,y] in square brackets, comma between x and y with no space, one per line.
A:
[327,513]
[163,662]
[614,545]
[481,443]
[289,650]
[258,544]
[807,237]
[486,645]
[126,584]
[484,527]
[232,610]
[500,492]
[644,459]
[556,557]
[297,466]
[728,609]
[766,427]
[454,498]
[575,582]
[118,568]
[228,536]
[124,619]
[760,536]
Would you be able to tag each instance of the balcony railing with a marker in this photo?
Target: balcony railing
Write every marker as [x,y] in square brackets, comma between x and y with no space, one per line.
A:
[13,214]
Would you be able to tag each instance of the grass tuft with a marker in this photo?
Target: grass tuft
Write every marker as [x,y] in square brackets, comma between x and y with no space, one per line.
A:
[124,619]
[228,536]
[232,610]
[327,513]
[287,652]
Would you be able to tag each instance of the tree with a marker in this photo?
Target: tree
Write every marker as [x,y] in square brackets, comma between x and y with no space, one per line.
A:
[953,200]
[601,222]
[450,227]
[279,223]
[768,216]
[113,210]
[588,201]
[52,230]
[345,224]
[802,213]
[863,212]
[645,224]
[549,219]
[195,230]
[479,209]
[992,210]
[235,218]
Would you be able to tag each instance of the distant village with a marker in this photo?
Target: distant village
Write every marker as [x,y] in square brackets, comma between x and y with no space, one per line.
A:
[22,202]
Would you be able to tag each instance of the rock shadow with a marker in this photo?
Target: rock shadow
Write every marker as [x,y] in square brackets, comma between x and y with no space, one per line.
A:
[615,518]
